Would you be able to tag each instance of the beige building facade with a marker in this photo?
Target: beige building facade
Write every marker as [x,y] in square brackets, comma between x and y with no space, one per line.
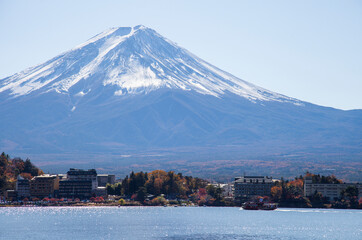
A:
[331,191]
[44,185]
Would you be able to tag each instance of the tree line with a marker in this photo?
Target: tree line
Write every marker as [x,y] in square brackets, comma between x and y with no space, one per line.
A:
[140,185]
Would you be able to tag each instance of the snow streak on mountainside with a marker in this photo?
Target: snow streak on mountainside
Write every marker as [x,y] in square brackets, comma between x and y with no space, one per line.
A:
[130,91]
[131,61]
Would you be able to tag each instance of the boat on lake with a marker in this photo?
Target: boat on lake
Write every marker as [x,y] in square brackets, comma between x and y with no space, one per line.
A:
[259,206]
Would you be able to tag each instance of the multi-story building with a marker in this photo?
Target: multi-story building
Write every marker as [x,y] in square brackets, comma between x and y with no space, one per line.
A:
[227,189]
[75,188]
[104,179]
[331,191]
[44,186]
[100,191]
[11,195]
[83,175]
[78,184]
[22,187]
[249,186]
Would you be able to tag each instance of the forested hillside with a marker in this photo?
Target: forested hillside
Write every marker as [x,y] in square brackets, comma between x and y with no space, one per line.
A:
[10,168]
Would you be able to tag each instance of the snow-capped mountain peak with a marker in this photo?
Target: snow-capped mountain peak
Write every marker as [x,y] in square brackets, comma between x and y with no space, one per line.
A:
[132,91]
[131,60]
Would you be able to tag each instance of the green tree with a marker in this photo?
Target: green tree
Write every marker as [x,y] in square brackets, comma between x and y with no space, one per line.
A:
[118,189]
[350,192]
[110,189]
[211,190]
[125,186]
[141,194]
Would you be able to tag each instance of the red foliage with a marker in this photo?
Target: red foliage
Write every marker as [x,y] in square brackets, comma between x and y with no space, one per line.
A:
[96,199]
[202,192]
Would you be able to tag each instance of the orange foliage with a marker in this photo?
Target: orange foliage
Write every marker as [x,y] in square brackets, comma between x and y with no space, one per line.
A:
[276,192]
[26,175]
[158,201]
[158,174]
[158,185]
[296,183]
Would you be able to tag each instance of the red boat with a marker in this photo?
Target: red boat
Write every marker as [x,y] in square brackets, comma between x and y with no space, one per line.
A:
[250,206]
[259,206]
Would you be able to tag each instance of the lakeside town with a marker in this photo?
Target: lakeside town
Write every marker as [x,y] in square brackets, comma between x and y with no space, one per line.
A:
[23,184]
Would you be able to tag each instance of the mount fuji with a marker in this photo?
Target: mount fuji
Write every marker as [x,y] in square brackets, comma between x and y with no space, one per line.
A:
[130,92]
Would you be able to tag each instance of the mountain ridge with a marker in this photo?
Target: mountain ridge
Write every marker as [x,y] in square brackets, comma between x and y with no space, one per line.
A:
[130,90]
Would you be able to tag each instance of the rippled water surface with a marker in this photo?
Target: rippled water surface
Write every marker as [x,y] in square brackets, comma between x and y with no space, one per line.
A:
[177,223]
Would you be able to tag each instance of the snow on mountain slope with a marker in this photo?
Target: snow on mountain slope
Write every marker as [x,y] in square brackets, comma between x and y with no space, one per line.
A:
[130,89]
[132,60]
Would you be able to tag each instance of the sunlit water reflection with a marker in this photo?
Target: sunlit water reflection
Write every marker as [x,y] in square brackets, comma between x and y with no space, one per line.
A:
[177,223]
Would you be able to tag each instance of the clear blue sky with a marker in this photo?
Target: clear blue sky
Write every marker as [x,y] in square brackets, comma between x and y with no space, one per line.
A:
[310,50]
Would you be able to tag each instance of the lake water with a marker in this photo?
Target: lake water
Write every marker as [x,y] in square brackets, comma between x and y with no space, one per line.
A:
[177,223]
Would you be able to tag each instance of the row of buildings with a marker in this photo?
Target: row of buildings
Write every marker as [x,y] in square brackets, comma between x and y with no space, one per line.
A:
[84,184]
[249,186]
[77,183]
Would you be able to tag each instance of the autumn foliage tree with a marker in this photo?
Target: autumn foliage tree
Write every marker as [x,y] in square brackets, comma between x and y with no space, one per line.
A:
[276,193]
[158,182]
[290,193]
[11,168]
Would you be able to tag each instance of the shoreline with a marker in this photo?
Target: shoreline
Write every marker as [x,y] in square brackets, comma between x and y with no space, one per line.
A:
[169,206]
